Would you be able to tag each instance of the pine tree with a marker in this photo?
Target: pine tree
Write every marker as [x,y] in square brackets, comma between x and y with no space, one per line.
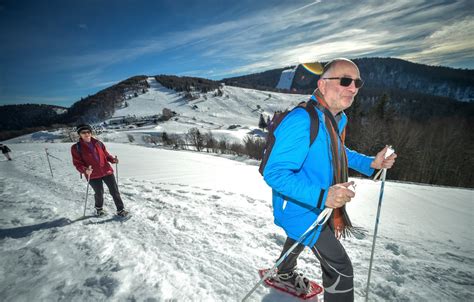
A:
[380,108]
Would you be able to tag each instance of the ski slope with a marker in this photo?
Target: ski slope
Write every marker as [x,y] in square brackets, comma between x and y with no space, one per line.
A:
[201,227]
[237,106]
[286,78]
[232,116]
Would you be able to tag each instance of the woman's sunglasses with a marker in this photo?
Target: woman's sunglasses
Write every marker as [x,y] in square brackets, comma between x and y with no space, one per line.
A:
[346,82]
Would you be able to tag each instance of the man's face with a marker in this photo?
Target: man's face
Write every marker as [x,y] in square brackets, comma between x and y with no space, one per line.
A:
[336,96]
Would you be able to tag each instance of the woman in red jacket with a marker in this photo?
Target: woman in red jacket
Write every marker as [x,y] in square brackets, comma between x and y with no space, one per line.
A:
[90,158]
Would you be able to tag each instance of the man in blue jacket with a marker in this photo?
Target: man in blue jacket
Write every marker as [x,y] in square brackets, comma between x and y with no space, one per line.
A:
[306,179]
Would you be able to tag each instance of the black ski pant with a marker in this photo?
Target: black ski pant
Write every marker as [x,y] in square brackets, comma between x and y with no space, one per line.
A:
[98,187]
[338,276]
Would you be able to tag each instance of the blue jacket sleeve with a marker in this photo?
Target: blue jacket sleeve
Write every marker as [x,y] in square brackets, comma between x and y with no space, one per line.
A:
[287,156]
[359,162]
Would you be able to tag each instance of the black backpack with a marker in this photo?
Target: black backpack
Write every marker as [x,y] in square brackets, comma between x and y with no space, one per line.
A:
[276,121]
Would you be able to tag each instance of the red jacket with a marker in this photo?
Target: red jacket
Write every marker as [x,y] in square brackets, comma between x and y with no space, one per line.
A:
[82,157]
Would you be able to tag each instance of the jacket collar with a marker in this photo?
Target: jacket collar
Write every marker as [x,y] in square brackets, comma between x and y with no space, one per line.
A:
[93,141]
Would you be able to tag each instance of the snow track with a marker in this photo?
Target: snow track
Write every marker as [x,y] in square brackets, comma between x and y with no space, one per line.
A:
[201,227]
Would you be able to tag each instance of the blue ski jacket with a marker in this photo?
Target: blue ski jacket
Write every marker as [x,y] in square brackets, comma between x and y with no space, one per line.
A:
[300,175]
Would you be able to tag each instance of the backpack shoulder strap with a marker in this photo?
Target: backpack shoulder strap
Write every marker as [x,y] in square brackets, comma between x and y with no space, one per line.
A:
[275,122]
[78,148]
[314,119]
[314,126]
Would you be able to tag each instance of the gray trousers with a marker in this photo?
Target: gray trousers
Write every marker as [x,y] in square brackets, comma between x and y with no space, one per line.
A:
[98,187]
[338,276]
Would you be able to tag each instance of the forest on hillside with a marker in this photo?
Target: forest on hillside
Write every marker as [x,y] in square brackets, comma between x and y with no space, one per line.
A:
[438,149]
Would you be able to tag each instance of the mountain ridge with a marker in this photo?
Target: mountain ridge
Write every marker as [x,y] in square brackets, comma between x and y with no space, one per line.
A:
[433,89]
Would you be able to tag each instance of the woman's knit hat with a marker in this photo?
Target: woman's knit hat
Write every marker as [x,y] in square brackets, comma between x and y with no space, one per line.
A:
[82,127]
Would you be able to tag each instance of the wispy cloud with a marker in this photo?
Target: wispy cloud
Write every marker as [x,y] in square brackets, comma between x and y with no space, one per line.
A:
[447,45]
[254,39]
[408,29]
[35,99]
[93,78]
[197,73]
[146,46]
[432,32]
[303,7]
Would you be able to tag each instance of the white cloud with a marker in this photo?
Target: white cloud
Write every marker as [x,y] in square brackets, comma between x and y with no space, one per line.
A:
[405,29]
[34,99]
[447,45]
[303,7]
[419,30]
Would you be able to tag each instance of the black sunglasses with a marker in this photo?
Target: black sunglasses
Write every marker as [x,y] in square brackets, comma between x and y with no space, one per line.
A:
[345,81]
[85,132]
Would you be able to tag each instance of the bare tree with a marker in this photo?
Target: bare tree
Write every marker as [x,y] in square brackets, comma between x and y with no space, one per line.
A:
[254,147]
[210,142]
[195,138]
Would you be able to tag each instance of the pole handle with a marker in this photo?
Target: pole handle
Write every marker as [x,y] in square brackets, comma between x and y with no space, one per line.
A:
[389,151]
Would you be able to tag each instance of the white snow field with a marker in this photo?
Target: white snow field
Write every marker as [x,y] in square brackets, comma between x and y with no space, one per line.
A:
[238,107]
[232,116]
[201,226]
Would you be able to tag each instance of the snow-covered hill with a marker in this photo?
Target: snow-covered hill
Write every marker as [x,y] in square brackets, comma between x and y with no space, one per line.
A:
[201,227]
[231,116]
[238,107]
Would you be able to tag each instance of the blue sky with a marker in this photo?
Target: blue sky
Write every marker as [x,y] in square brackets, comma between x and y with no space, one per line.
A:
[55,52]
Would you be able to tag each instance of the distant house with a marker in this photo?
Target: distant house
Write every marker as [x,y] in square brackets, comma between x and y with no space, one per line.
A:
[167,113]
[117,120]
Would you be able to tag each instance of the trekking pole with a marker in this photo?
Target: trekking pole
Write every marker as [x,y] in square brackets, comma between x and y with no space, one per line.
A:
[54,157]
[116,169]
[322,218]
[87,192]
[389,152]
[47,156]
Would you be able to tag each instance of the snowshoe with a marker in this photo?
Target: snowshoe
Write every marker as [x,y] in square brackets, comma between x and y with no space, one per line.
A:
[294,284]
[122,213]
[100,212]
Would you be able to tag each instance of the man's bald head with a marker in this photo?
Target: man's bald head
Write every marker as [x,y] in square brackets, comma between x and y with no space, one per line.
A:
[334,64]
